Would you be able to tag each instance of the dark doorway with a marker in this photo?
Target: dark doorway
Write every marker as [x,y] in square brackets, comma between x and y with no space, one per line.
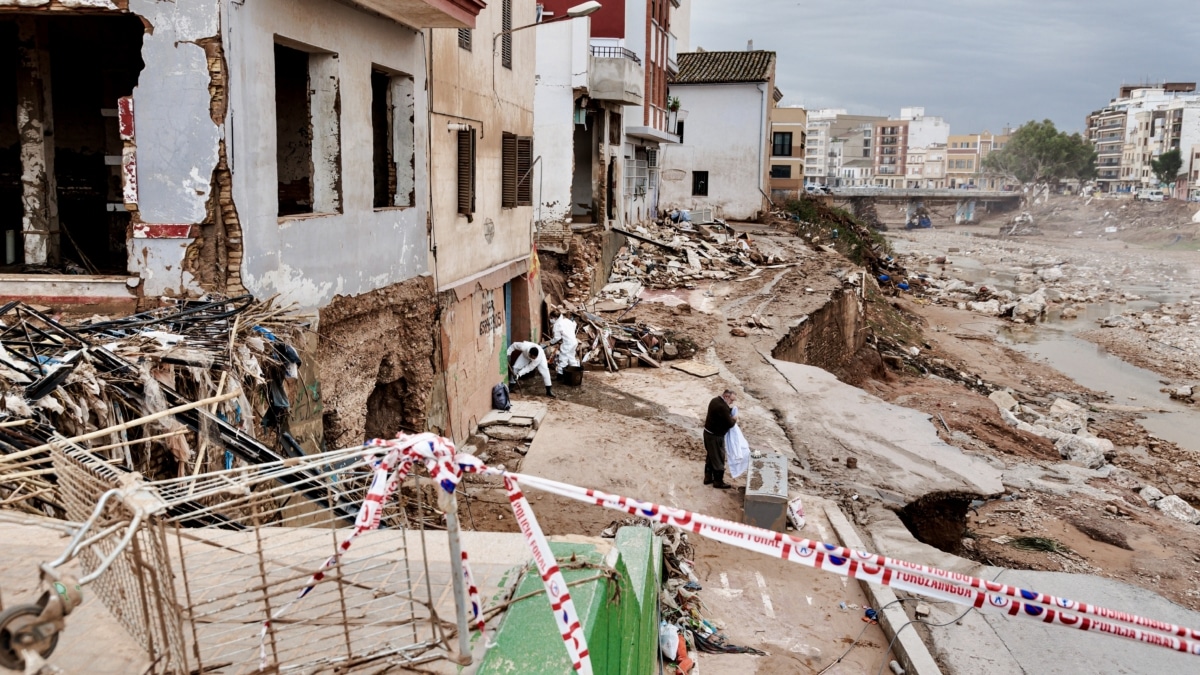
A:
[611,189]
[10,149]
[81,128]
[87,141]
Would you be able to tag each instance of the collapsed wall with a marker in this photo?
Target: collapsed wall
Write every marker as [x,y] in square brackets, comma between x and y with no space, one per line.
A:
[376,357]
[834,338]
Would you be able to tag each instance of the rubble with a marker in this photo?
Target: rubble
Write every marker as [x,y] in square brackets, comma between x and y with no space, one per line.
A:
[1065,424]
[1174,506]
[89,379]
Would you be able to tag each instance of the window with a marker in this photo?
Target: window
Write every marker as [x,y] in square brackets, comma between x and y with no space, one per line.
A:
[781,171]
[679,131]
[466,172]
[516,159]
[394,144]
[308,151]
[699,183]
[464,38]
[506,39]
[782,144]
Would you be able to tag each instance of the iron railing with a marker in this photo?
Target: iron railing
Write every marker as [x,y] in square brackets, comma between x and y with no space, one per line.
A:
[615,53]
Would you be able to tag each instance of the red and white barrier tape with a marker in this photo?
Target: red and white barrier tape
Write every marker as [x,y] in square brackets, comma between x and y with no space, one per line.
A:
[983,595]
[447,467]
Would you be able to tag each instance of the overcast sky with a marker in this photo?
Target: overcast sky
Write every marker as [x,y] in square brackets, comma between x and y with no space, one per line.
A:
[981,64]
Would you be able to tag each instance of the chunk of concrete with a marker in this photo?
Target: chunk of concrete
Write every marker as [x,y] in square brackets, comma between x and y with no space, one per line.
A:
[1175,507]
[1003,399]
[1062,406]
[1086,451]
[1030,308]
[989,308]
[1151,494]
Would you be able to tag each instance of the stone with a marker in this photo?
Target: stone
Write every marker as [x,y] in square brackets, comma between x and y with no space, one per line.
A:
[1151,494]
[1175,507]
[738,332]
[1183,393]
[989,308]
[1062,406]
[1003,399]
[1069,313]
[1051,273]
[1115,321]
[507,433]
[1030,308]
[1088,452]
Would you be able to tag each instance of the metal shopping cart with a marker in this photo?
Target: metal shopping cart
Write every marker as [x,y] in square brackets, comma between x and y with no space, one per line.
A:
[197,569]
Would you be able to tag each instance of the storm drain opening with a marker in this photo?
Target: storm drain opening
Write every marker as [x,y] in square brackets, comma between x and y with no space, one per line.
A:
[939,519]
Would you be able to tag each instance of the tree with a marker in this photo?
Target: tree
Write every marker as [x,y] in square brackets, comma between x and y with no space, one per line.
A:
[1040,153]
[1167,166]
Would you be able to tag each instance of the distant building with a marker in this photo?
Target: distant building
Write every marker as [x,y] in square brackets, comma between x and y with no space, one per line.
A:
[895,137]
[1144,121]
[789,133]
[723,162]
[964,160]
[835,138]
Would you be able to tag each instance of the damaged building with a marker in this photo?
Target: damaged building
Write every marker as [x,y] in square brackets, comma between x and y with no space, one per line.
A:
[155,149]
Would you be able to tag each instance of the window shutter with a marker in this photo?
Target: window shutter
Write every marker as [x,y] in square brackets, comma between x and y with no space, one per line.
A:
[464,38]
[466,172]
[524,175]
[508,170]
[506,40]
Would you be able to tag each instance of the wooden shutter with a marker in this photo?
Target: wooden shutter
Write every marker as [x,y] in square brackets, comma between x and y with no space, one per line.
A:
[506,40]
[508,168]
[524,175]
[464,38]
[466,172]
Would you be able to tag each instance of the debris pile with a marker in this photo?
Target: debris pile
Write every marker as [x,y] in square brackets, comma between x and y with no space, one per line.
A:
[616,344]
[1065,424]
[115,383]
[681,255]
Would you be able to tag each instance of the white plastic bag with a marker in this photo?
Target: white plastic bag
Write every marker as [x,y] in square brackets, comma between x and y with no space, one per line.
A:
[795,512]
[737,451]
[668,640]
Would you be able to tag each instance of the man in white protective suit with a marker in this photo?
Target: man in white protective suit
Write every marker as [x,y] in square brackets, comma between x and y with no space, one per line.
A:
[564,335]
[529,356]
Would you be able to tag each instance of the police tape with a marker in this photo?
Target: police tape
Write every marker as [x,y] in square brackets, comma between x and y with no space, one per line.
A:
[961,589]
[392,460]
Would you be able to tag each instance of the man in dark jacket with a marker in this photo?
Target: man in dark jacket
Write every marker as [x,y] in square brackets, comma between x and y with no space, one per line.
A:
[719,421]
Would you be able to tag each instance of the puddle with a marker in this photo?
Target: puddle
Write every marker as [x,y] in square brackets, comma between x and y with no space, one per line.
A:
[1093,367]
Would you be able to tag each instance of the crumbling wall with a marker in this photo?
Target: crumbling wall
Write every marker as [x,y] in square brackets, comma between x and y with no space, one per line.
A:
[376,355]
[833,338]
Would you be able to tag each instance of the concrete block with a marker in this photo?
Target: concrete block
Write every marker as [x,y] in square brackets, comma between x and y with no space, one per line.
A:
[766,500]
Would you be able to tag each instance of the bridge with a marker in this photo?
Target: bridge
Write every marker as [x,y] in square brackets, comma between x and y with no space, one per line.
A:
[895,206]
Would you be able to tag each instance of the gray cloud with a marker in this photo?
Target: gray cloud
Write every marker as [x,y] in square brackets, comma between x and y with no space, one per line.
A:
[981,64]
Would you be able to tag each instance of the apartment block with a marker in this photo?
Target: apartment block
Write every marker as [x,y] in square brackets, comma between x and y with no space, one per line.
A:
[1141,123]
[896,137]
[789,134]
[837,143]
[964,160]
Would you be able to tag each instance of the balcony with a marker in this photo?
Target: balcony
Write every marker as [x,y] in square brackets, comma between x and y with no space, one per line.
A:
[426,13]
[616,74]
[672,54]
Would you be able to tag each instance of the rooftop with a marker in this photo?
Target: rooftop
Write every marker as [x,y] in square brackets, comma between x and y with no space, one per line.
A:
[725,67]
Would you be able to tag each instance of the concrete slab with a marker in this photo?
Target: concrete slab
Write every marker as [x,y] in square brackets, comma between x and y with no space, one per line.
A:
[696,368]
[897,446]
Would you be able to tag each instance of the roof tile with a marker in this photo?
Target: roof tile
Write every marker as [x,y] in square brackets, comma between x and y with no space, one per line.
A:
[724,67]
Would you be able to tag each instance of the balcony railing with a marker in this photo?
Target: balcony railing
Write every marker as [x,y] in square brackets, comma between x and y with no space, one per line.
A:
[615,53]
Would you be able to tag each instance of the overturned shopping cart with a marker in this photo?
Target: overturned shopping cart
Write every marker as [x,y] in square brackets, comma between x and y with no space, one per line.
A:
[204,572]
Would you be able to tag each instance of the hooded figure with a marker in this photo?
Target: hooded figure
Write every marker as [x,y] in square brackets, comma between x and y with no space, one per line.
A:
[564,332]
[529,357]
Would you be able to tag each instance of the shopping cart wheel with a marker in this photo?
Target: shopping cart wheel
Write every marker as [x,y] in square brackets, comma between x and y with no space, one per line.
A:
[18,632]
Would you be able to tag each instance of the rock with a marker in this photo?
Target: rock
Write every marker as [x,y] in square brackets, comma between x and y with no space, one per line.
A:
[989,308]
[1175,507]
[507,433]
[1183,393]
[737,332]
[1115,321]
[1051,273]
[1151,494]
[1003,399]
[1069,313]
[1062,406]
[1030,308]
[1088,452]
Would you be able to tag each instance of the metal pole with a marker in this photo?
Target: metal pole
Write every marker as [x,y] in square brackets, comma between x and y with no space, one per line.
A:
[456,578]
